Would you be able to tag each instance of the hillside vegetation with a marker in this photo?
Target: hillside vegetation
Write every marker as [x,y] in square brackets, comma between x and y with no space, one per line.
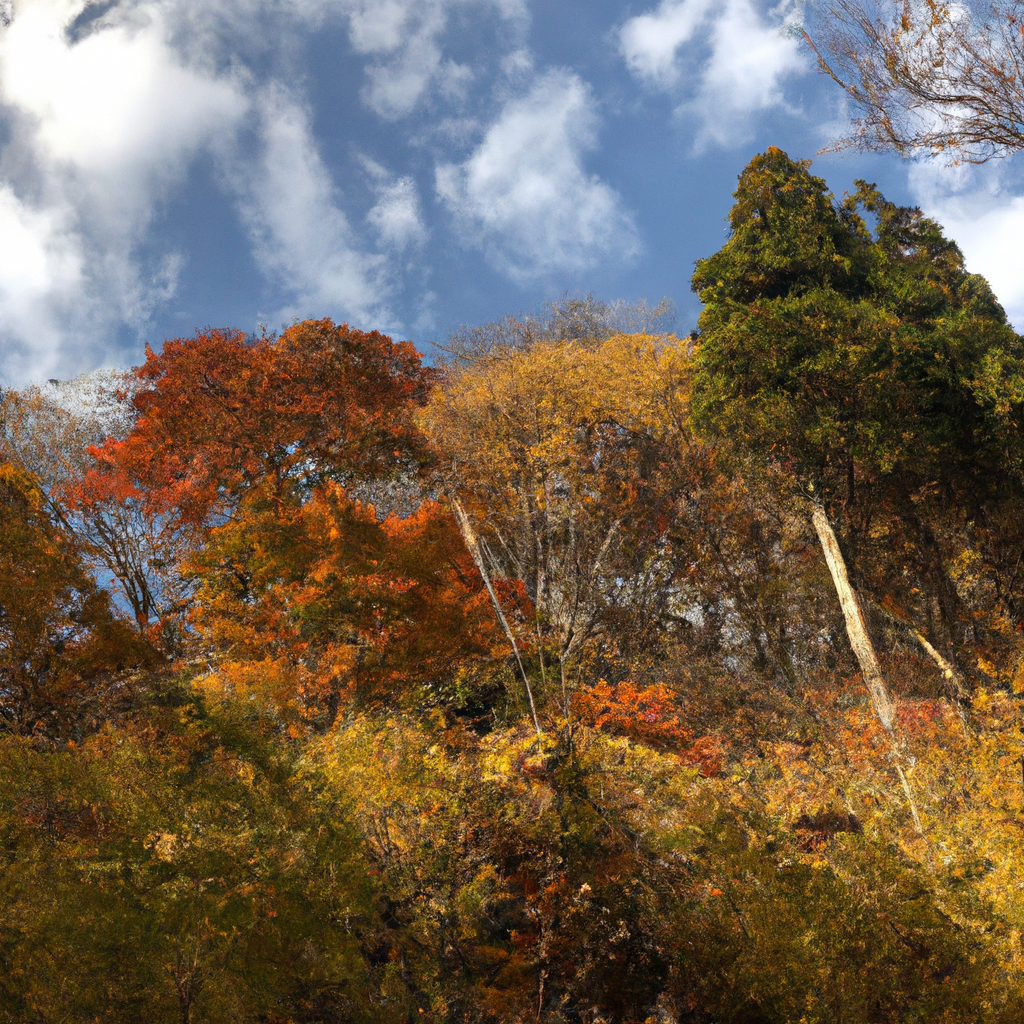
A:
[591,674]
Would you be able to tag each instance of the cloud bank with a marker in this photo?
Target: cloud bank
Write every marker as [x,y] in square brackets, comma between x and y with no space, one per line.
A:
[100,129]
[300,235]
[106,107]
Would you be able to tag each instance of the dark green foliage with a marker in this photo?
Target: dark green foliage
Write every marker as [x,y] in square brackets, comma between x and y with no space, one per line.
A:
[837,349]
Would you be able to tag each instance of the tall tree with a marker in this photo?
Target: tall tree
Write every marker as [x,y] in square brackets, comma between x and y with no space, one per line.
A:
[856,360]
[221,413]
[221,416]
[571,461]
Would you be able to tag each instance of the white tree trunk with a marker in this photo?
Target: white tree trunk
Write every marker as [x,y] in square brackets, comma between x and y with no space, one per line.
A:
[860,641]
[950,674]
[855,627]
[473,544]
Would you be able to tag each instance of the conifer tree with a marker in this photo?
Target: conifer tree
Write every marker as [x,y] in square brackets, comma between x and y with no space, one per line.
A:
[867,361]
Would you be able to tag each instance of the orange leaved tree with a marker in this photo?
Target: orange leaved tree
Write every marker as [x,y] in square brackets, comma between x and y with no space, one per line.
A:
[221,416]
[222,413]
[324,603]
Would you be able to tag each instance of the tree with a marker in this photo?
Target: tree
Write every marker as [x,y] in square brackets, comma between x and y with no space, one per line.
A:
[930,76]
[221,413]
[566,458]
[256,457]
[64,655]
[334,808]
[48,431]
[176,868]
[323,605]
[641,554]
[586,320]
[855,360]
[623,885]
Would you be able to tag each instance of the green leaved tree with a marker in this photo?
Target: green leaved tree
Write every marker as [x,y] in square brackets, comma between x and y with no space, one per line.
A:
[847,342]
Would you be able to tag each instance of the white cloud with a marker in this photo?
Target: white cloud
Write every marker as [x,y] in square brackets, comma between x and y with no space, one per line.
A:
[650,42]
[523,195]
[300,235]
[41,275]
[105,121]
[116,102]
[404,37]
[396,215]
[984,217]
[101,129]
[725,62]
[395,86]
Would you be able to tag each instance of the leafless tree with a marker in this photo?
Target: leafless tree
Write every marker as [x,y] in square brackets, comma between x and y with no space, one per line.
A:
[928,76]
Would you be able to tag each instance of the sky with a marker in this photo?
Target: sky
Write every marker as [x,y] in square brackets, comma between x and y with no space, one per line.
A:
[404,165]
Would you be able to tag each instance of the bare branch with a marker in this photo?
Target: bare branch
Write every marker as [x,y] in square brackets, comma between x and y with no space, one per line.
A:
[928,77]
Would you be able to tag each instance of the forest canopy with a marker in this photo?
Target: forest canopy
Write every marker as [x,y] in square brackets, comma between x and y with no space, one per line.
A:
[588,674]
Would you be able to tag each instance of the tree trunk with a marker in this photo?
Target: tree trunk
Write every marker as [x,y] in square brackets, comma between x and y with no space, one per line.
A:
[473,544]
[860,641]
[855,627]
[955,686]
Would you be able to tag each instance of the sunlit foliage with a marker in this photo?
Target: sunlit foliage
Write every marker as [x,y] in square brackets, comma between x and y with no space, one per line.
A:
[335,687]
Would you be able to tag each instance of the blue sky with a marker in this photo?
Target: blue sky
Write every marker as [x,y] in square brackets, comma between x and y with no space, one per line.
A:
[409,165]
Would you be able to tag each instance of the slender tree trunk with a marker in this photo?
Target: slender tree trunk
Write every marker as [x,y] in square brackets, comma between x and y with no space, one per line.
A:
[855,627]
[955,686]
[954,682]
[473,544]
[860,641]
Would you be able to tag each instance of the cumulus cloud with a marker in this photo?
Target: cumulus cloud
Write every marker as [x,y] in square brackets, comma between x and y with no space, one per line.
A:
[650,42]
[396,216]
[724,61]
[114,102]
[101,126]
[981,210]
[524,196]
[41,278]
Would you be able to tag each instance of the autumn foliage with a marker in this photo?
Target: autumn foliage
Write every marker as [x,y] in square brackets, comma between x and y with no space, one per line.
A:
[61,645]
[348,606]
[221,413]
[336,687]
[652,716]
